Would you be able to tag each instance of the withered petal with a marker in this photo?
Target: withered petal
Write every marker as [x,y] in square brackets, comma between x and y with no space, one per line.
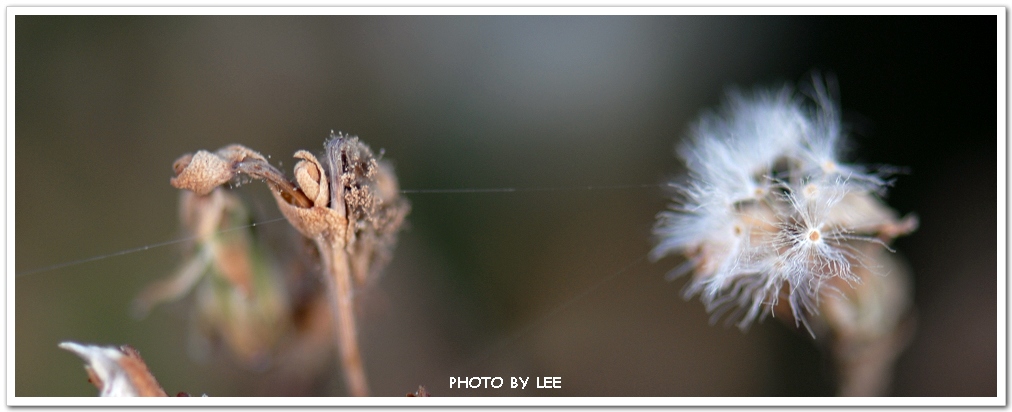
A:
[116,371]
[203,172]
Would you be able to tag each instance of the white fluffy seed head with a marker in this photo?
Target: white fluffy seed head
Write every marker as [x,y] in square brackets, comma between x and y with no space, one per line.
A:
[736,149]
[770,213]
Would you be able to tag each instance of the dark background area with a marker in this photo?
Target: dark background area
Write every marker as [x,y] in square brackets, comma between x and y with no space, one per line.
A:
[492,284]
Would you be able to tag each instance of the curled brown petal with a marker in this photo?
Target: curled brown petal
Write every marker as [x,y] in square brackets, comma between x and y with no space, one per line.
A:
[260,169]
[201,172]
[312,222]
[181,163]
[312,179]
[238,153]
[204,171]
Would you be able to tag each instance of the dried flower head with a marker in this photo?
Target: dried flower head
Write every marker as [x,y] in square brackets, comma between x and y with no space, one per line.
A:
[771,218]
[349,205]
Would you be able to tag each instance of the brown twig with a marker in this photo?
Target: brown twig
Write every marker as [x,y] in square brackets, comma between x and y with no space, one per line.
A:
[335,264]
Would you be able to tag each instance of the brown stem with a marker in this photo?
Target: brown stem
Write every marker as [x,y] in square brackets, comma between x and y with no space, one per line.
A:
[337,277]
[259,169]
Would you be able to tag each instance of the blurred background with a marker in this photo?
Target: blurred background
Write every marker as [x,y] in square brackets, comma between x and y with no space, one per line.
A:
[526,283]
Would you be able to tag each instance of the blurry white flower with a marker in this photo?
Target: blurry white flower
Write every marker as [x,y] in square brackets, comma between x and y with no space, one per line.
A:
[770,217]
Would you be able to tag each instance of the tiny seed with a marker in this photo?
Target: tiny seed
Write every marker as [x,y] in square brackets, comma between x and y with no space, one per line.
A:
[814,236]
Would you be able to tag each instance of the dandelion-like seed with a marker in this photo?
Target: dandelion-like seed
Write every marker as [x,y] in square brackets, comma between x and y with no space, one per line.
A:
[773,221]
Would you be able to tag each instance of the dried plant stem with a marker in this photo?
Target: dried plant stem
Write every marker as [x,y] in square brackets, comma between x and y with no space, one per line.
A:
[871,325]
[337,277]
[866,368]
[349,206]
